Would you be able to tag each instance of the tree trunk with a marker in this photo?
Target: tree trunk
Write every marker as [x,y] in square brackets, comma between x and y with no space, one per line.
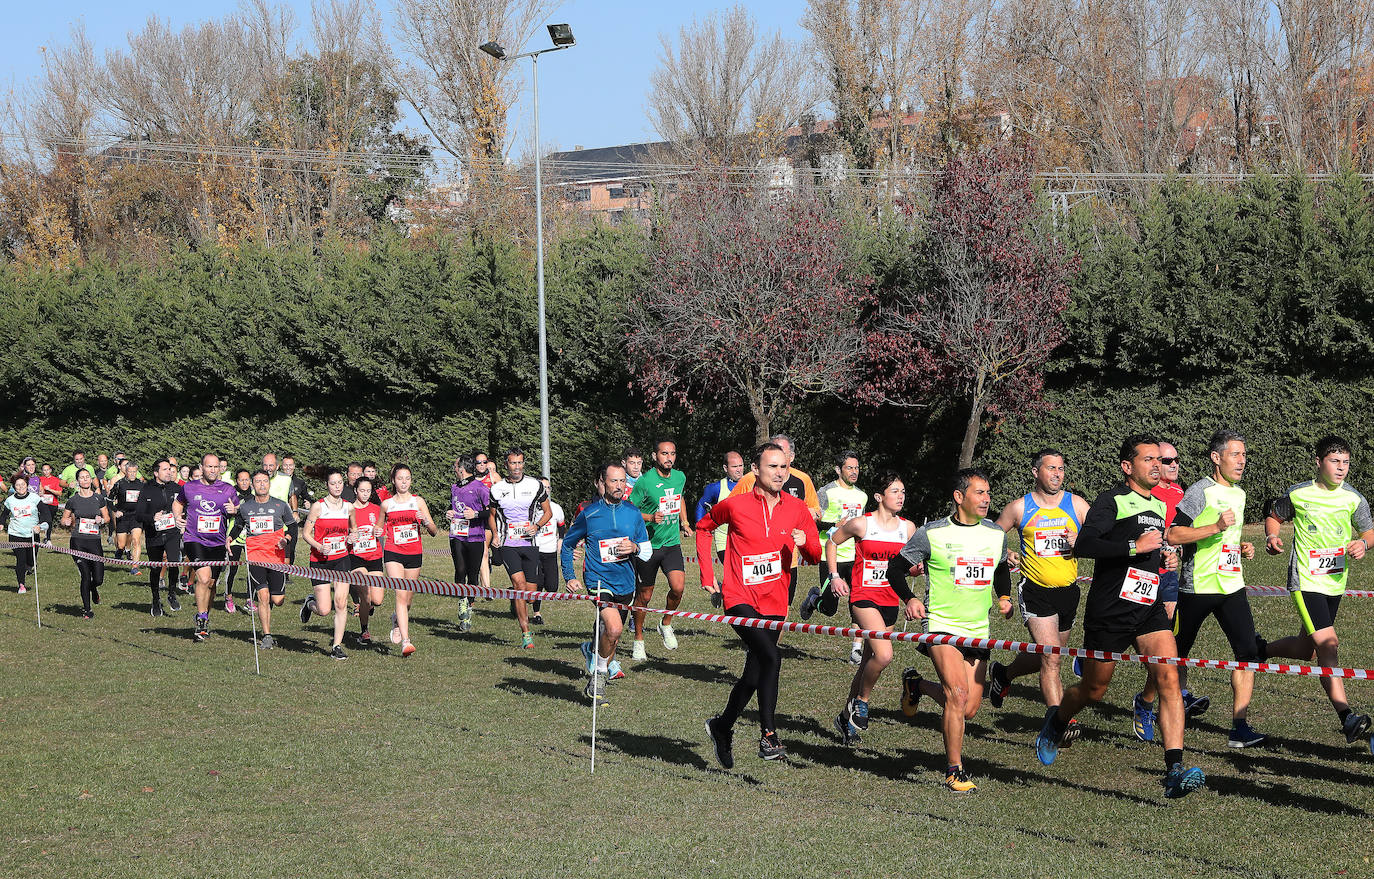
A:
[975,421]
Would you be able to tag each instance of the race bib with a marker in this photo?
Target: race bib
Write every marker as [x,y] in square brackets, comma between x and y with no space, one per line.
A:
[850,511]
[1229,560]
[1052,543]
[260,524]
[334,544]
[1326,562]
[164,521]
[131,496]
[762,568]
[1140,587]
[607,547]
[206,524]
[459,527]
[973,572]
[671,503]
[87,526]
[874,574]
[49,500]
[406,534]
[515,532]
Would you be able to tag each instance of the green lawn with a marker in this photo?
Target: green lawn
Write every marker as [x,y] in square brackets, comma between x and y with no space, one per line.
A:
[130,751]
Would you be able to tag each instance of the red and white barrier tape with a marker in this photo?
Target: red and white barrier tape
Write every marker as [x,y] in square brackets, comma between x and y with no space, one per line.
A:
[456,590]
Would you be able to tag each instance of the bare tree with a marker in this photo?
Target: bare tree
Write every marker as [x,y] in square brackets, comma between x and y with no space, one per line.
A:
[725,95]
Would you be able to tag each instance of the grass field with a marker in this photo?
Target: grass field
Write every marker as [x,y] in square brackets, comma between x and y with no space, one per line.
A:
[130,751]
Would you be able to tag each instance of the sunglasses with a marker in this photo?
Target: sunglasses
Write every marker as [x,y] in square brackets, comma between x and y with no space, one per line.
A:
[1168,460]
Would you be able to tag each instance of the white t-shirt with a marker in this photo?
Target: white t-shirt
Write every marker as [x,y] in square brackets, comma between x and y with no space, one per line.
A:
[546,540]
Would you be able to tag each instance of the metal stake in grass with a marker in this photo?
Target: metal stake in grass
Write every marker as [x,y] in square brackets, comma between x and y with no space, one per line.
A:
[37,608]
[596,655]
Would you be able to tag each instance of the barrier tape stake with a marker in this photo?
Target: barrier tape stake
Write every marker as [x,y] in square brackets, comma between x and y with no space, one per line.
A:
[37,607]
[596,656]
[253,615]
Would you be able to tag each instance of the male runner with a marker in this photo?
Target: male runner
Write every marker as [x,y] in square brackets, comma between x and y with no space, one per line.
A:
[268,522]
[124,494]
[1046,522]
[799,485]
[353,473]
[658,495]
[519,508]
[1124,533]
[202,509]
[159,523]
[633,461]
[614,532]
[1323,512]
[840,501]
[714,492]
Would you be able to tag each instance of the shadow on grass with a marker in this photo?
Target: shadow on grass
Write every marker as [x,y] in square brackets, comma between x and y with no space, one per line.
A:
[544,665]
[285,643]
[677,752]
[563,692]
[1279,792]
[692,671]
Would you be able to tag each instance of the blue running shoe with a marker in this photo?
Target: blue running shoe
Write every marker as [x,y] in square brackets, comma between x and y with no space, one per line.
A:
[613,671]
[587,655]
[1195,705]
[1143,719]
[1078,666]
[1179,782]
[1047,744]
[858,714]
[1243,735]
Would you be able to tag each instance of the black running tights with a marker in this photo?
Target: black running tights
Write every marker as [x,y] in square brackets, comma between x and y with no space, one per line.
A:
[762,666]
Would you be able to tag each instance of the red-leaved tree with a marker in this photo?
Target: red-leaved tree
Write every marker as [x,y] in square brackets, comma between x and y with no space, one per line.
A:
[750,296]
[981,323]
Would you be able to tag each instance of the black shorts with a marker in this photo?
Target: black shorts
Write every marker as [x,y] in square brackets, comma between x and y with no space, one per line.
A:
[1316,610]
[199,552]
[338,565]
[267,578]
[126,523]
[1121,640]
[372,566]
[665,558]
[1039,602]
[888,611]
[972,654]
[409,561]
[1232,612]
[522,560]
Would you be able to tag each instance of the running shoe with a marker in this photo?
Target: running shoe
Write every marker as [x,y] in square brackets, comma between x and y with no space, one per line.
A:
[156,610]
[587,656]
[1143,719]
[638,651]
[173,603]
[1072,733]
[770,748]
[364,638]
[267,642]
[1047,742]
[230,607]
[95,595]
[407,648]
[1355,726]
[1194,705]
[856,654]
[464,615]
[1244,736]
[858,714]
[536,619]
[669,639]
[23,589]
[137,571]
[307,608]
[613,670]
[395,630]
[722,737]
[998,684]
[249,607]
[808,605]
[183,585]
[959,782]
[1078,666]
[596,689]
[527,640]
[86,615]
[1179,782]
[338,652]
[202,630]
[849,733]
[911,691]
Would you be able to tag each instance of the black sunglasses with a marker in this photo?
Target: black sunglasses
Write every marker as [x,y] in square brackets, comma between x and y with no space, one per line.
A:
[1168,460]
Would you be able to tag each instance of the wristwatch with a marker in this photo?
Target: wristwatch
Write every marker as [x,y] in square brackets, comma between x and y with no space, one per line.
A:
[1130,544]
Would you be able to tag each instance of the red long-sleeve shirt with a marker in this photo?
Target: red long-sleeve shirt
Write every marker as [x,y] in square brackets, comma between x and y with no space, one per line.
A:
[758,548]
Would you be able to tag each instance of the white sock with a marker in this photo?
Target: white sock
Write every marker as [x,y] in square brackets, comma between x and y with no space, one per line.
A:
[858,643]
[602,662]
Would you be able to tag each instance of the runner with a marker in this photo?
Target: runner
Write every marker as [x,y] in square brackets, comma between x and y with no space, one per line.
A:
[799,485]
[714,492]
[405,514]
[613,532]
[22,514]
[85,512]
[1124,533]
[766,528]
[201,509]
[49,501]
[1170,491]
[243,487]
[327,529]
[279,487]
[365,554]
[124,494]
[353,473]
[467,537]
[547,542]
[658,495]
[299,487]
[68,474]
[1046,522]
[484,469]
[267,523]
[159,522]
[875,538]
[1323,512]
[370,471]
[1207,524]
[519,508]
[964,557]
[486,472]
[633,462]
[839,500]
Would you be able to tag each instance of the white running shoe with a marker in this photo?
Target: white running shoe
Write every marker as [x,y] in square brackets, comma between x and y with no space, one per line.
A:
[638,651]
[669,639]
[856,655]
[395,630]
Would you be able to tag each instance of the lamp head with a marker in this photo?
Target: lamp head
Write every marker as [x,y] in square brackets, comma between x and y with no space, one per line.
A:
[493,49]
[561,34]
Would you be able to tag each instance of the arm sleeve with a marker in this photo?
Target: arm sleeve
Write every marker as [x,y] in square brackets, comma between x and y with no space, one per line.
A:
[1092,542]
[1193,503]
[1281,508]
[1001,579]
[709,495]
[716,518]
[823,502]
[1360,517]
[577,532]
[811,550]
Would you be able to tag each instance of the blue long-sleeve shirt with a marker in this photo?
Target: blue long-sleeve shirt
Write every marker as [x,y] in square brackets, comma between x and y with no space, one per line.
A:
[602,526]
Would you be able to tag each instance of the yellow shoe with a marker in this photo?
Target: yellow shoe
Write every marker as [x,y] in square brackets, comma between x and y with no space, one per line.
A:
[959,782]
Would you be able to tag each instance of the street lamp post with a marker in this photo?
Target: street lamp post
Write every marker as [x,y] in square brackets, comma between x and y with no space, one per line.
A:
[562,37]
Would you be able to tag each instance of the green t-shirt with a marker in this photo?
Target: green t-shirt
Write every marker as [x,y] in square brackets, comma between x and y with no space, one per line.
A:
[1212,565]
[1322,521]
[653,493]
[839,503]
[960,561]
[68,475]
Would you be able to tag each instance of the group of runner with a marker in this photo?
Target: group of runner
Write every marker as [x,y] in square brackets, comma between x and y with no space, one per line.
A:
[1165,559]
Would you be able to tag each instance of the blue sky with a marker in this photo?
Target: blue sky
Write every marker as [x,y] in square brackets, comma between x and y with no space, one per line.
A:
[593,94]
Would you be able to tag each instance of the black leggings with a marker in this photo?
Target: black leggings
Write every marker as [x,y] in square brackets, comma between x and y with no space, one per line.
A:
[235,554]
[467,560]
[548,575]
[92,572]
[23,559]
[762,667]
[1232,612]
[170,551]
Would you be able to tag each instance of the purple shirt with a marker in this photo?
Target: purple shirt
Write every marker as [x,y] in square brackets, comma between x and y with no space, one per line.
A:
[207,521]
[474,495]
